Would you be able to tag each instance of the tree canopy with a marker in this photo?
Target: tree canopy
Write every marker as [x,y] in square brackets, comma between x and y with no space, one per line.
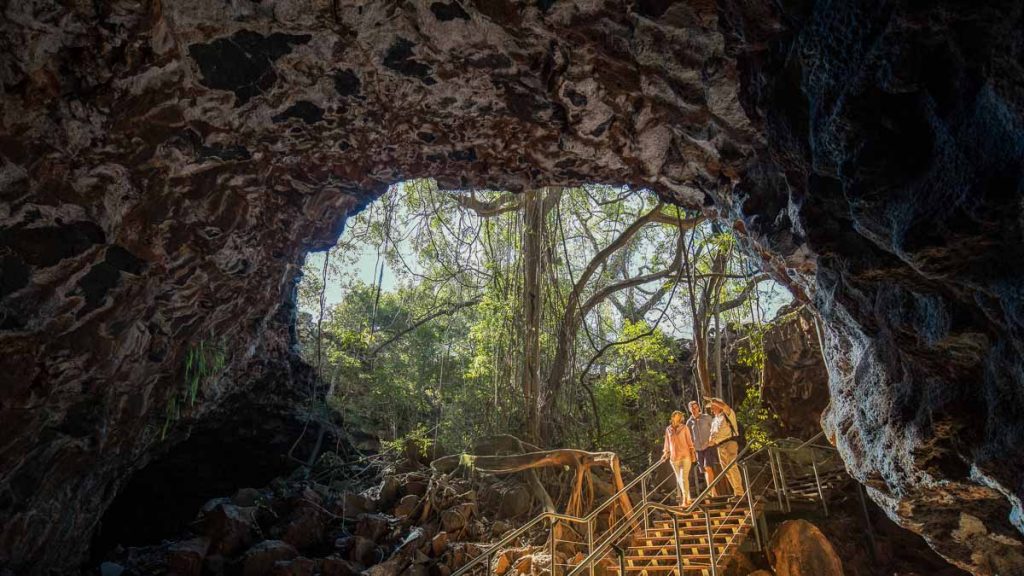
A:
[573,316]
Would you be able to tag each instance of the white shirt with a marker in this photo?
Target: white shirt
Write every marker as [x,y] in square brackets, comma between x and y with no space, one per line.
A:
[724,427]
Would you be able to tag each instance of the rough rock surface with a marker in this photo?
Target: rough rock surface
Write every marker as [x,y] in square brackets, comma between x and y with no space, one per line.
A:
[798,548]
[895,170]
[795,377]
[299,536]
[165,167]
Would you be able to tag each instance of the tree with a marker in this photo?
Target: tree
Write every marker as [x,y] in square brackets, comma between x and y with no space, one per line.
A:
[545,314]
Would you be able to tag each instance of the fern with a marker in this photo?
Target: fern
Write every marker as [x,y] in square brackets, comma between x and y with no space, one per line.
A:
[171,416]
[202,362]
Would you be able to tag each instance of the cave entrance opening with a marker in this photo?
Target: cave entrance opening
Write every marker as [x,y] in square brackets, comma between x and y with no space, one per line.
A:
[571,316]
[563,315]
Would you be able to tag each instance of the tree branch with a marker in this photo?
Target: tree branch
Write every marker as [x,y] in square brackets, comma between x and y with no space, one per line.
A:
[504,203]
[742,297]
[610,289]
[683,224]
[443,312]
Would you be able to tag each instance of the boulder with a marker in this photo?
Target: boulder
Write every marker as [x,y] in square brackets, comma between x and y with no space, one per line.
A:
[406,506]
[185,558]
[351,505]
[389,490]
[261,558]
[335,566]
[209,505]
[476,529]
[304,529]
[214,565]
[502,563]
[738,564]
[297,567]
[247,497]
[412,542]
[343,544]
[417,487]
[515,501]
[416,570]
[499,528]
[392,567]
[457,517]
[372,526]
[111,569]
[439,543]
[799,548]
[229,528]
[310,496]
[363,551]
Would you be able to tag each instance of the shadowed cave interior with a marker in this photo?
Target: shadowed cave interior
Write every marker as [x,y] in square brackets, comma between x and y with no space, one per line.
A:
[168,167]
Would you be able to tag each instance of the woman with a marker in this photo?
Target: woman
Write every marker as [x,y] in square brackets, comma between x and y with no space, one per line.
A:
[680,453]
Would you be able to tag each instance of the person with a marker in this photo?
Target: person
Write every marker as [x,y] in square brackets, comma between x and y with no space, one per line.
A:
[700,430]
[679,452]
[725,437]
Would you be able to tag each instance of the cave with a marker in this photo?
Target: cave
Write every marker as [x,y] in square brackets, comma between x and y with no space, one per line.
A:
[168,165]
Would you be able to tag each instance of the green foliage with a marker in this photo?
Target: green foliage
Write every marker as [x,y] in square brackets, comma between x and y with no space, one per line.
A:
[750,352]
[203,361]
[633,396]
[460,374]
[418,437]
[756,419]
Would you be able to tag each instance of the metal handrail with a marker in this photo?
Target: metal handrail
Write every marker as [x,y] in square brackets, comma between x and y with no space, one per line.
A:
[601,548]
[597,549]
[554,516]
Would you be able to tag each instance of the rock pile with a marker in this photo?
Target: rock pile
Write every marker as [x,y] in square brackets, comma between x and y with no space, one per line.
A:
[412,522]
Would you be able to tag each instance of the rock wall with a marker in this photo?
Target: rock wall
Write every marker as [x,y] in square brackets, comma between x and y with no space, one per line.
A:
[795,376]
[167,165]
[895,159]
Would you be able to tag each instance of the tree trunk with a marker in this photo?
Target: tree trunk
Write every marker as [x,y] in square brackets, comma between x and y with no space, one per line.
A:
[700,352]
[718,353]
[576,309]
[700,348]
[533,234]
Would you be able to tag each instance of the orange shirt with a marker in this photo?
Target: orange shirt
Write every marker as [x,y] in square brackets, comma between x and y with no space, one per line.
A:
[678,443]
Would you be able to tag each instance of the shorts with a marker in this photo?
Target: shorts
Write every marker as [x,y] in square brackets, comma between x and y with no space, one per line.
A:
[708,457]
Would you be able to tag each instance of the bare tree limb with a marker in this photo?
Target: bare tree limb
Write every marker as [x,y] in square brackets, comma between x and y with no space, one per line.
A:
[506,202]
[743,295]
[443,312]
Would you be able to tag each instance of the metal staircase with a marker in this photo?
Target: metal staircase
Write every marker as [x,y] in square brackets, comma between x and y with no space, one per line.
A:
[655,537]
[681,539]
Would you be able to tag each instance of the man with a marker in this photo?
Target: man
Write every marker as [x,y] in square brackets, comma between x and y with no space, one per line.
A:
[679,451]
[700,429]
[725,437]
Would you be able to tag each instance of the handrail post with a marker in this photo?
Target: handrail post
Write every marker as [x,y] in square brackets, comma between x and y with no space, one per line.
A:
[711,541]
[867,521]
[643,500]
[622,559]
[775,481]
[817,480]
[590,543]
[750,503]
[490,560]
[782,479]
[551,544]
[679,550]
